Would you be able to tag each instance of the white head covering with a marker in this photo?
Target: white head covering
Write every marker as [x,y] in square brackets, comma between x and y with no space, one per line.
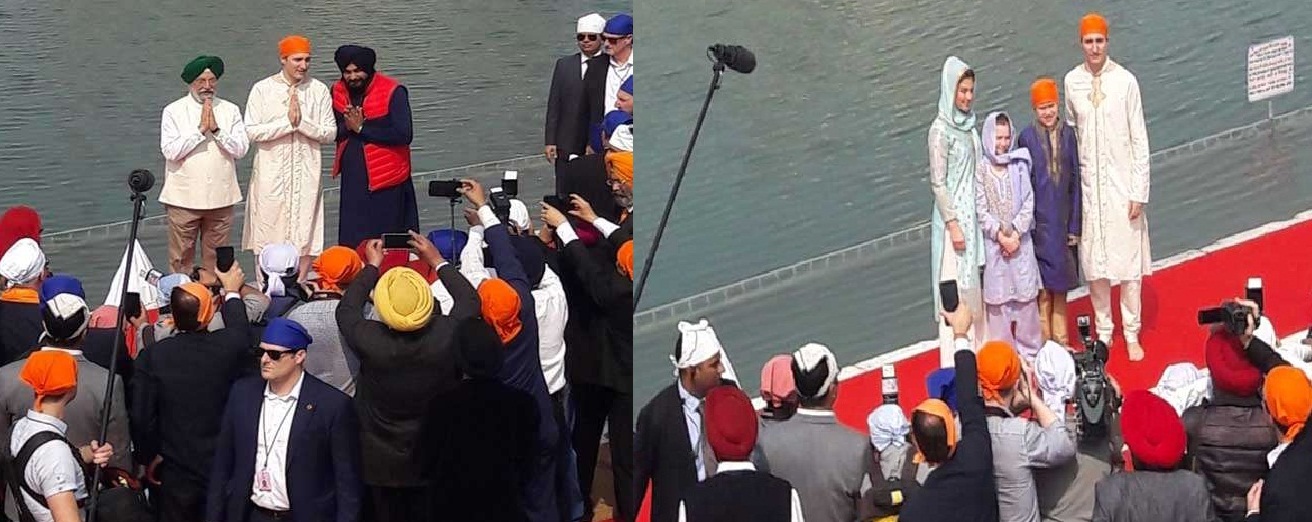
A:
[622,139]
[592,23]
[1184,386]
[519,216]
[888,427]
[66,307]
[809,357]
[170,282]
[277,261]
[23,263]
[137,279]
[698,343]
[1054,368]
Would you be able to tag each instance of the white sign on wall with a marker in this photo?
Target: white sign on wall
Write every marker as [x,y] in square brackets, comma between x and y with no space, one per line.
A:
[1270,69]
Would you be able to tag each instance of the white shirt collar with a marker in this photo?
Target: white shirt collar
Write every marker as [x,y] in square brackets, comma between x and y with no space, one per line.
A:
[815,413]
[291,397]
[47,419]
[74,353]
[722,466]
[689,401]
[627,63]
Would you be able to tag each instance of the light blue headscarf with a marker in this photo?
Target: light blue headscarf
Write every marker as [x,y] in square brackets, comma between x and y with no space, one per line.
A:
[888,427]
[953,69]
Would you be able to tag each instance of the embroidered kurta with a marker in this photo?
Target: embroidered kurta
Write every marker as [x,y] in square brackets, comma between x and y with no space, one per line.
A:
[285,201]
[1004,201]
[954,151]
[200,170]
[1114,162]
[1057,205]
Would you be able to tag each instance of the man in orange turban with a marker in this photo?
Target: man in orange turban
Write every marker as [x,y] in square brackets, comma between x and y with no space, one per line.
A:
[288,116]
[1020,445]
[1289,400]
[337,267]
[1104,104]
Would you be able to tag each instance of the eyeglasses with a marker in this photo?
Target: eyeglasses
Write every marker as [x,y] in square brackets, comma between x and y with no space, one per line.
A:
[273,354]
[614,39]
[589,37]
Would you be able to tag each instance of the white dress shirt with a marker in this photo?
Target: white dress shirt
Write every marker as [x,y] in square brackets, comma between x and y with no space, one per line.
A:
[692,417]
[53,469]
[275,422]
[614,78]
[794,511]
[584,59]
[200,170]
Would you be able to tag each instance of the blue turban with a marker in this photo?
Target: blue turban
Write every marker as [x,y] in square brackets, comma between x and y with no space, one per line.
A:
[449,242]
[627,86]
[619,25]
[614,119]
[287,333]
[60,284]
[942,386]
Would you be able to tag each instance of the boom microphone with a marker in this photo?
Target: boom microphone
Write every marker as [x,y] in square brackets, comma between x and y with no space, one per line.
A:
[735,57]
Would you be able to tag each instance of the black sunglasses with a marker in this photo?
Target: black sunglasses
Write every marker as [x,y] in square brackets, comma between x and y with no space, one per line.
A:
[274,354]
[611,40]
[589,37]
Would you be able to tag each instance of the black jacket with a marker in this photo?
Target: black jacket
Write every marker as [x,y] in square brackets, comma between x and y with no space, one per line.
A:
[20,330]
[963,488]
[400,374]
[1229,439]
[1285,495]
[663,454]
[594,89]
[180,387]
[612,294]
[567,117]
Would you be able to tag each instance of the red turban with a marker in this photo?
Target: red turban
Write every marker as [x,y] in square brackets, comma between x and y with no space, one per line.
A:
[17,223]
[1231,371]
[731,424]
[1152,430]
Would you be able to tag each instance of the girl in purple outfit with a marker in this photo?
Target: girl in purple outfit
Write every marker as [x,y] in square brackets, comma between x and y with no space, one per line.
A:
[1004,202]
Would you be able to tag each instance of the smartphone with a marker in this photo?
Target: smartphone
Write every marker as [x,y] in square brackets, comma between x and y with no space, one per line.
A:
[444,188]
[510,183]
[131,305]
[396,241]
[556,202]
[947,292]
[226,256]
[153,276]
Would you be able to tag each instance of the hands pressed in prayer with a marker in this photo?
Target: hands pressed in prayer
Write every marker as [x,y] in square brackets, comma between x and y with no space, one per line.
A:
[355,119]
[373,252]
[207,122]
[473,191]
[550,153]
[1136,210]
[582,209]
[293,108]
[551,216]
[471,217]
[1010,242]
[425,249]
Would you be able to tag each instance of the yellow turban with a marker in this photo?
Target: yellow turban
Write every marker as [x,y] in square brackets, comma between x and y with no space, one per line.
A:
[404,299]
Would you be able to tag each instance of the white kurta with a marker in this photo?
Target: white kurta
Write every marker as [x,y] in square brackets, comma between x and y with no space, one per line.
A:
[200,170]
[285,204]
[1114,165]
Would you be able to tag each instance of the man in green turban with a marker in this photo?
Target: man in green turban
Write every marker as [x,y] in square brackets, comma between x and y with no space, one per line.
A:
[201,137]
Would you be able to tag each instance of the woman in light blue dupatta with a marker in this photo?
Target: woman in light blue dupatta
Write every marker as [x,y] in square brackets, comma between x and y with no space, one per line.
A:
[957,251]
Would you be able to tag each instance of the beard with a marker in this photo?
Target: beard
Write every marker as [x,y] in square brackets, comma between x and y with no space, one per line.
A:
[358,86]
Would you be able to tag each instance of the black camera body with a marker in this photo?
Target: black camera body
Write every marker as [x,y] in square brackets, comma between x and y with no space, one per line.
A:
[499,200]
[1094,397]
[1232,316]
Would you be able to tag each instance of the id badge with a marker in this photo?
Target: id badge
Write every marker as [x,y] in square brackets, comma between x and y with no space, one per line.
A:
[262,481]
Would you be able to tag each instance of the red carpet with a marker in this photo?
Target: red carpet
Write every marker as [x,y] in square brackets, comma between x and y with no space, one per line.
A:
[1172,296]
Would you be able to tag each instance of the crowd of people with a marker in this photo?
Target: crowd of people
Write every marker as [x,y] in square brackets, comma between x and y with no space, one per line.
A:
[1020,217]
[466,375]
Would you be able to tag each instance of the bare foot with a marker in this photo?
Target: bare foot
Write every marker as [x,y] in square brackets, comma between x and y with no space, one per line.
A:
[1136,352]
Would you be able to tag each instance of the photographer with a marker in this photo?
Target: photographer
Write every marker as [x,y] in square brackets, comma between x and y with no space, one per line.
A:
[1019,445]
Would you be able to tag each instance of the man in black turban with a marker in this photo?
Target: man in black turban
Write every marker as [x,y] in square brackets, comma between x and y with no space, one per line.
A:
[373,150]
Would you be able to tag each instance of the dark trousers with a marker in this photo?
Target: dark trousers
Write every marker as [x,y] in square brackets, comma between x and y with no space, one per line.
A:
[180,497]
[383,504]
[255,514]
[594,408]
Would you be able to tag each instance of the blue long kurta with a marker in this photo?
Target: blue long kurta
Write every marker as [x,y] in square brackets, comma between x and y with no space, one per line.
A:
[1056,207]
[369,215]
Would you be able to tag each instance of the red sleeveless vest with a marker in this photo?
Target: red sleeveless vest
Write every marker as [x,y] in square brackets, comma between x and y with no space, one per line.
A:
[386,165]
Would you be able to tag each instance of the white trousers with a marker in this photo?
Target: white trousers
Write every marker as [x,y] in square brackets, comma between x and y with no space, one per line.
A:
[972,297]
[1100,292]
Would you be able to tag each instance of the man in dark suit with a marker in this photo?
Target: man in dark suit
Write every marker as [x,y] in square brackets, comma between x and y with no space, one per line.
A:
[180,386]
[567,117]
[670,447]
[289,446]
[606,73]
[406,361]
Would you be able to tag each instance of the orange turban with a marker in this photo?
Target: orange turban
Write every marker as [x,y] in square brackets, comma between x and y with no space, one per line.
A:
[294,44]
[50,372]
[620,166]
[1043,90]
[501,308]
[1288,398]
[941,410]
[624,259]
[202,294]
[337,266]
[1093,23]
[999,369]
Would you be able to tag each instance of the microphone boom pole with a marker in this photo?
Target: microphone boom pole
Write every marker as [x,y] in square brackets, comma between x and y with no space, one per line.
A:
[716,71]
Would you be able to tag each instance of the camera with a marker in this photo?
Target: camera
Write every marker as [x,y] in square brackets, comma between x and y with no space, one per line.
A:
[499,200]
[510,183]
[444,189]
[1094,401]
[1232,316]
